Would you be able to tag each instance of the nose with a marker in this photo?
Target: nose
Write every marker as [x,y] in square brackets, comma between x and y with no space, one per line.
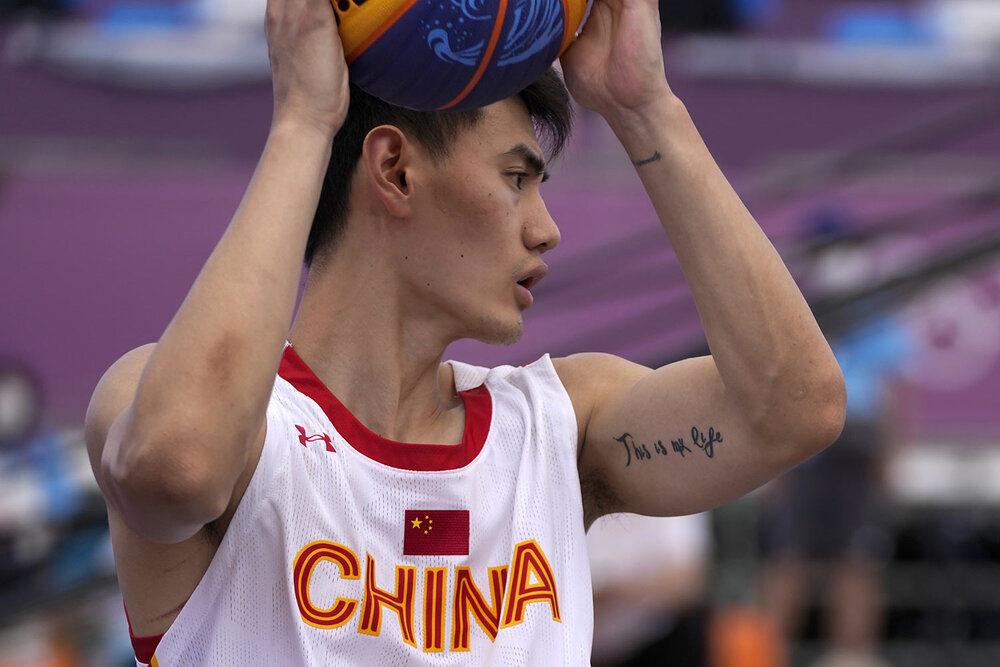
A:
[540,231]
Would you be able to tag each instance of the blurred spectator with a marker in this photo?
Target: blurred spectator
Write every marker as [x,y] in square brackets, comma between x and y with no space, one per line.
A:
[20,405]
[650,576]
[54,545]
[824,525]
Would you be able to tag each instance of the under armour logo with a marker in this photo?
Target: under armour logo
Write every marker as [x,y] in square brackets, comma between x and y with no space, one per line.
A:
[306,439]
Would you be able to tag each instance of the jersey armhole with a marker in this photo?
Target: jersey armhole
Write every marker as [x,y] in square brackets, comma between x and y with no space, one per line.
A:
[560,393]
[271,454]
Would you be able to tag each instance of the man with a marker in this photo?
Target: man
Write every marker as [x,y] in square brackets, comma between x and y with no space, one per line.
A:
[650,578]
[825,524]
[258,520]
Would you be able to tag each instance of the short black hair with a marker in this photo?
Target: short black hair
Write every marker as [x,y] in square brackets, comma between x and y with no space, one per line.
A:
[546,100]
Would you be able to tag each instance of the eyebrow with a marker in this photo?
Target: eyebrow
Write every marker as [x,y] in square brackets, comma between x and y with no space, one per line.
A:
[531,158]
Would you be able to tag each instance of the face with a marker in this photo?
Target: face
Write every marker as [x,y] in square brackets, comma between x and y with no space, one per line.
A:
[480,228]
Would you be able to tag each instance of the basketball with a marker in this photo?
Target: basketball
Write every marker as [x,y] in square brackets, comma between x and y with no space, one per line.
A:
[453,54]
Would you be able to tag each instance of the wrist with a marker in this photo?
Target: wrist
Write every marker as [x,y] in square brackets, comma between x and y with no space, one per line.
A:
[288,125]
[302,148]
[310,144]
[642,129]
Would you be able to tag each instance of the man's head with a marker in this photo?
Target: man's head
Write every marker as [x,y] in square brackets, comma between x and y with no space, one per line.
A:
[546,101]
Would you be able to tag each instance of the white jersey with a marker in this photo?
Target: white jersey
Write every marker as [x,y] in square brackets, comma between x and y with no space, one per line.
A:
[349,549]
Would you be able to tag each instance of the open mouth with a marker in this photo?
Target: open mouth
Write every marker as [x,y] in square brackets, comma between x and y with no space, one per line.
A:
[534,277]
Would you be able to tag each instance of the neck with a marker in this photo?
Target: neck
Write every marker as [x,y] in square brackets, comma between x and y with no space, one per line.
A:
[354,331]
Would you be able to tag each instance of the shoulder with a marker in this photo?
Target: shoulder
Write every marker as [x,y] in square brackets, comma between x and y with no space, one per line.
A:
[588,368]
[113,394]
[592,379]
[593,376]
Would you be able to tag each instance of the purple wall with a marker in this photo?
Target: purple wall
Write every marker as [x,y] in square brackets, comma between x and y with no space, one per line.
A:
[99,243]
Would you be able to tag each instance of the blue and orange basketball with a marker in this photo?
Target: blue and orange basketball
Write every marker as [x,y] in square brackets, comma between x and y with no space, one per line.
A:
[453,54]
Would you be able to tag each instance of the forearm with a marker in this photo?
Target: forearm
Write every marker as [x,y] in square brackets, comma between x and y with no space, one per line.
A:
[770,353]
[210,376]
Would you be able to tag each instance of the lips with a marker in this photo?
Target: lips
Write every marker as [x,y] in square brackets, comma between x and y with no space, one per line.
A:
[533,277]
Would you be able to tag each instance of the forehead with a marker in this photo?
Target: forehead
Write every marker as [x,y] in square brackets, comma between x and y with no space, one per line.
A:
[503,125]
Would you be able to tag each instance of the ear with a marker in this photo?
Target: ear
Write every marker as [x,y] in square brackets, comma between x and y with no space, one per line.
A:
[386,155]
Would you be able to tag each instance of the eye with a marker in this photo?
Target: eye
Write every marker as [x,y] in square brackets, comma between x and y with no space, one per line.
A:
[519,178]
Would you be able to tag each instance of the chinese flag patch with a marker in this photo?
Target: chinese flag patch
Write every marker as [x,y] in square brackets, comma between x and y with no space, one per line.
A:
[436,533]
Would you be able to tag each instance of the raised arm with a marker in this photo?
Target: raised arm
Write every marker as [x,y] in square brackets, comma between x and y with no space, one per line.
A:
[692,435]
[171,429]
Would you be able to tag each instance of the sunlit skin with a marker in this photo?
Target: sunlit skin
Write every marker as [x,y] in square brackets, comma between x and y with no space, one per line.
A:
[433,252]
[479,226]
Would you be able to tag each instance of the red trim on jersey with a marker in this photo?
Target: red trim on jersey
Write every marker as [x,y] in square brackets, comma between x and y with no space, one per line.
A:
[144,647]
[406,456]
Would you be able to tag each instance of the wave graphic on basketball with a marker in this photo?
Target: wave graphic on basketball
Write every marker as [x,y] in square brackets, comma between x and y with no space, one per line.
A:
[478,10]
[453,54]
[535,27]
[439,41]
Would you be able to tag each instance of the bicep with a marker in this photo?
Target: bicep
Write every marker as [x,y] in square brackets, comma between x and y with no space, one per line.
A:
[669,441]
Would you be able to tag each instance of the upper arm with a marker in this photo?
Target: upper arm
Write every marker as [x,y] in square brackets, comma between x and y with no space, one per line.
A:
[155,578]
[669,441]
[153,509]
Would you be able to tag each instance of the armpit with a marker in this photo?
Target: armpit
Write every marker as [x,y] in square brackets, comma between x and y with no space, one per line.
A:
[598,497]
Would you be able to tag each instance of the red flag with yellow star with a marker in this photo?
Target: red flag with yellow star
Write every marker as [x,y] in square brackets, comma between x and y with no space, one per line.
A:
[436,533]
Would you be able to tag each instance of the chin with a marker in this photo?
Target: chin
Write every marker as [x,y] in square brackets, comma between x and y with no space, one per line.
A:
[505,332]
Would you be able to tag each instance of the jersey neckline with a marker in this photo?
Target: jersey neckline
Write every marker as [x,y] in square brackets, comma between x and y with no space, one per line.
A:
[402,455]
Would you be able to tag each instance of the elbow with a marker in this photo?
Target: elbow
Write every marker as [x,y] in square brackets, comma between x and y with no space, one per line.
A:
[829,415]
[809,419]
[820,418]
[164,493]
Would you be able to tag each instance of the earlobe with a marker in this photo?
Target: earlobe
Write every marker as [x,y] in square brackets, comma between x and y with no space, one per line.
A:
[385,157]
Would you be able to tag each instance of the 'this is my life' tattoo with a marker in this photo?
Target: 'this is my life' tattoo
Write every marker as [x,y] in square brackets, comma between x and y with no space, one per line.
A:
[641,452]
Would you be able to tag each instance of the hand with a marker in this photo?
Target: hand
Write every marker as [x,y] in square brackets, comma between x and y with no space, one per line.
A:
[615,67]
[308,69]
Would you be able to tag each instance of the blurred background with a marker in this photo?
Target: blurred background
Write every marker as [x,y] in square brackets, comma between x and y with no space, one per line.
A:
[865,137]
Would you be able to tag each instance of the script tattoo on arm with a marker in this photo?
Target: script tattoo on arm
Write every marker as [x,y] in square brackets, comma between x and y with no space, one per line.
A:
[640,452]
[655,157]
